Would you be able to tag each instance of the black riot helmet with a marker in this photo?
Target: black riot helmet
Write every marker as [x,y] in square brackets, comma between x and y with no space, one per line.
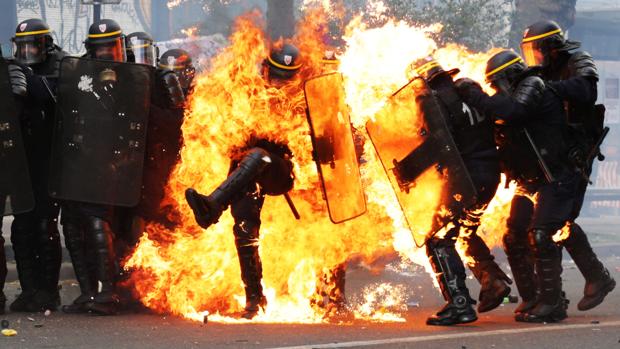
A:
[106,41]
[141,48]
[180,62]
[428,69]
[503,70]
[32,41]
[541,42]
[283,62]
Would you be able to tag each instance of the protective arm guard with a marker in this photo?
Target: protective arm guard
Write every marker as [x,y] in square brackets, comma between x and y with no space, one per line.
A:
[17,77]
[172,92]
[580,86]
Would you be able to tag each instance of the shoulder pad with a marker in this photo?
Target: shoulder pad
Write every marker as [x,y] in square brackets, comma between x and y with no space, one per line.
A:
[530,91]
[582,64]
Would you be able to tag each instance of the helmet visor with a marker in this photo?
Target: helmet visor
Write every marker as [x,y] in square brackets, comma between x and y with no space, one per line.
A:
[532,53]
[29,51]
[109,50]
[143,51]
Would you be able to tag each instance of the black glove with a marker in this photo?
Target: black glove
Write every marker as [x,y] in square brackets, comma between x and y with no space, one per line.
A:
[470,91]
[170,90]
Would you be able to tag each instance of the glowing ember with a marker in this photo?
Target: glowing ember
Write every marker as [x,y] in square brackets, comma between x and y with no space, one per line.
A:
[382,302]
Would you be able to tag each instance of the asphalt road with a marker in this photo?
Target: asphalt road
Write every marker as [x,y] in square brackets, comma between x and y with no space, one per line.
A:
[598,328]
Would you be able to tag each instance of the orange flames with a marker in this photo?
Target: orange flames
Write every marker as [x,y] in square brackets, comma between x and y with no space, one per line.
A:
[191,272]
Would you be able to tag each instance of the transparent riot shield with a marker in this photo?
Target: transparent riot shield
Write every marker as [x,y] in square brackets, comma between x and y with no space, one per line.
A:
[15,187]
[334,148]
[418,153]
[100,131]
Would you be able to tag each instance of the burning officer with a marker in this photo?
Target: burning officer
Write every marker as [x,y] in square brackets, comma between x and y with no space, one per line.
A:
[261,167]
[34,234]
[99,149]
[531,136]
[573,76]
[473,136]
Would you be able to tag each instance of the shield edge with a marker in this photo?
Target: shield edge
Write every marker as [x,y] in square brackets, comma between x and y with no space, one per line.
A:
[315,158]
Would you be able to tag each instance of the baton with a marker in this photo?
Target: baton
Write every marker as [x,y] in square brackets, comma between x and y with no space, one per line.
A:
[49,90]
[541,161]
[290,203]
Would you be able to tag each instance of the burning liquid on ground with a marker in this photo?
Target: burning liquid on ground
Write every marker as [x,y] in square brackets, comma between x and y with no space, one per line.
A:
[188,271]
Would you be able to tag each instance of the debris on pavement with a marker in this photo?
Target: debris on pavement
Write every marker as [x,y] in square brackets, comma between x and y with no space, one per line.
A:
[47,312]
[8,332]
[4,324]
[30,319]
[595,322]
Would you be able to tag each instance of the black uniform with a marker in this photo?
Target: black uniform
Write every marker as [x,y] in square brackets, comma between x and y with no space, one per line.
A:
[19,87]
[34,234]
[573,77]
[89,236]
[473,135]
[543,201]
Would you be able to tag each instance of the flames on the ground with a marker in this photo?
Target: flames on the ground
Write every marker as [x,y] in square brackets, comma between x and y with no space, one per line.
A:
[189,271]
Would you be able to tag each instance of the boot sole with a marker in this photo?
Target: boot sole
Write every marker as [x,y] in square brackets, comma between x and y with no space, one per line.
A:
[496,304]
[555,316]
[461,320]
[598,300]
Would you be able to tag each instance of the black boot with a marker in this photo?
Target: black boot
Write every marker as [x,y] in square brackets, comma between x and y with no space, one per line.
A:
[208,209]
[76,245]
[522,266]
[106,301]
[49,251]
[493,281]
[598,281]
[251,269]
[22,238]
[551,305]
[451,277]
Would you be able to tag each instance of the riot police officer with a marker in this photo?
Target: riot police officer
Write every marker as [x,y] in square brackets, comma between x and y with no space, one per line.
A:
[87,226]
[263,167]
[34,235]
[180,62]
[532,139]
[473,135]
[141,49]
[572,74]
